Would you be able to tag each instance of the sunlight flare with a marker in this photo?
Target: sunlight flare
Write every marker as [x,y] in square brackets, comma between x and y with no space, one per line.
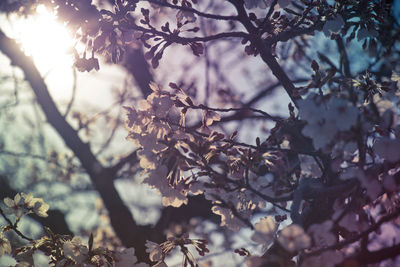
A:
[50,44]
[45,39]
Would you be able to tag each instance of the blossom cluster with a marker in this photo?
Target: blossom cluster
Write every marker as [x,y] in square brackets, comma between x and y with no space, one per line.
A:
[62,250]
[326,119]
[76,253]
[332,165]
[25,203]
[158,252]
[161,144]
[178,161]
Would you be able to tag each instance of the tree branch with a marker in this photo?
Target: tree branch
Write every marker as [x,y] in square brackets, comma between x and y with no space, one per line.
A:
[355,238]
[195,11]
[124,225]
[130,234]
[186,40]
[369,257]
[265,53]
[344,59]
[55,220]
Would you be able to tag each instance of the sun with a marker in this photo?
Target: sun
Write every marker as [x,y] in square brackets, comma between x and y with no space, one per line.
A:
[49,43]
[45,39]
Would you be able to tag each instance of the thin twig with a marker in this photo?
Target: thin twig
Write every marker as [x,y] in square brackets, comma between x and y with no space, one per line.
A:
[13,226]
[349,241]
[73,93]
[195,11]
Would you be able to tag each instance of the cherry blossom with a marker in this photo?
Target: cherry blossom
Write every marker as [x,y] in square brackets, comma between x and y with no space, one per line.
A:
[324,121]
[387,148]
[187,15]
[250,4]
[341,113]
[40,207]
[369,182]
[265,231]
[228,219]
[364,33]
[321,234]
[126,258]
[19,205]
[293,238]
[160,264]
[255,261]
[256,3]
[389,183]
[26,203]
[333,25]
[209,117]
[396,78]
[283,3]
[171,196]
[5,245]
[161,104]
[241,201]
[73,249]
[310,109]
[351,222]
[154,250]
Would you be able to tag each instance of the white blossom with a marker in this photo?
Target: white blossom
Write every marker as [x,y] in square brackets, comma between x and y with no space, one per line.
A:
[249,4]
[369,182]
[160,264]
[324,121]
[73,249]
[342,114]
[25,203]
[154,250]
[322,133]
[265,231]
[161,104]
[126,258]
[387,148]
[321,234]
[228,219]
[333,26]
[5,246]
[40,207]
[309,110]
[396,78]
[363,33]
[351,222]
[293,238]
[171,196]
[174,197]
[148,159]
[389,183]
[19,205]
[255,261]
[187,15]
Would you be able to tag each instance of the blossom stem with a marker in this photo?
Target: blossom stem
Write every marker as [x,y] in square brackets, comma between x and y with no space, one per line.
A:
[195,11]
[13,226]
